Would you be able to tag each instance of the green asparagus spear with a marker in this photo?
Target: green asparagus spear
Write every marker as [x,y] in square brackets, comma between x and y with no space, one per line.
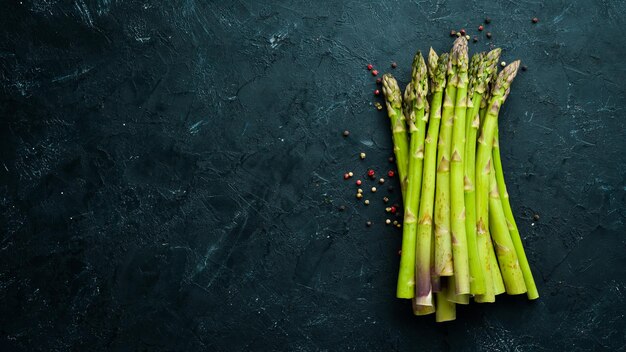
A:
[505,251]
[443,241]
[457,193]
[515,236]
[483,66]
[414,108]
[393,100]
[423,294]
[483,168]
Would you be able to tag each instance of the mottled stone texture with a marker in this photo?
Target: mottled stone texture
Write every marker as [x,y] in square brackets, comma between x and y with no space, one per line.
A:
[171,173]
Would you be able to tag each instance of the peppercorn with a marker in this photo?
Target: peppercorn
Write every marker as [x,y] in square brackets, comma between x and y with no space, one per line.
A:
[394,65]
[480,28]
[388,209]
[362,156]
[390,173]
[381,181]
[503,63]
[342,207]
[373,189]
[368,224]
[399,252]
[467,37]
[458,34]
[524,67]
[374,72]
[359,195]
[398,225]
[452,33]
[475,39]
[391,160]
[385,199]
[370,67]
[387,221]
[346,176]
[395,222]
[462,32]
[359,191]
[376,92]
[346,133]
[487,20]
[379,80]
[358,182]
[393,210]
[535,20]
[350,173]
[489,35]
[378,105]
[371,173]
[536,217]
[367,202]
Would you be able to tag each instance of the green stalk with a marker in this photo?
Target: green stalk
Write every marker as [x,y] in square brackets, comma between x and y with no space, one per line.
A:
[514,232]
[482,65]
[507,258]
[423,294]
[457,193]
[446,310]
[443,241]
[498,282]
[462,298]
[393,100]
[483,168]
[414,107]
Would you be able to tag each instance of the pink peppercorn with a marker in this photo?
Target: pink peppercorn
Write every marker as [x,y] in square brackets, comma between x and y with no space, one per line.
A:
[370,67]
[374,72]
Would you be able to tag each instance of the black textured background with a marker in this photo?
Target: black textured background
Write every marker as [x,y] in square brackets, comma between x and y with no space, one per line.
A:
[171,173]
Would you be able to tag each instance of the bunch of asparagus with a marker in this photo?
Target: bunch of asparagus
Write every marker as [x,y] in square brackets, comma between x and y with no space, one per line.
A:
[459,237]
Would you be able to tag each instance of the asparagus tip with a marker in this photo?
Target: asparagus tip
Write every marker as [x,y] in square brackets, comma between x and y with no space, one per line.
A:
[391,90]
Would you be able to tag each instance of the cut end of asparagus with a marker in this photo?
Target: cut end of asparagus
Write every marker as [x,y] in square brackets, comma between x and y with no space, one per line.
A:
[424,299]
[422,310]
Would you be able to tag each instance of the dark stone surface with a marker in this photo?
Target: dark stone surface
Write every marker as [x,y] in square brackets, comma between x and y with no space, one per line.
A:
[171,173]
